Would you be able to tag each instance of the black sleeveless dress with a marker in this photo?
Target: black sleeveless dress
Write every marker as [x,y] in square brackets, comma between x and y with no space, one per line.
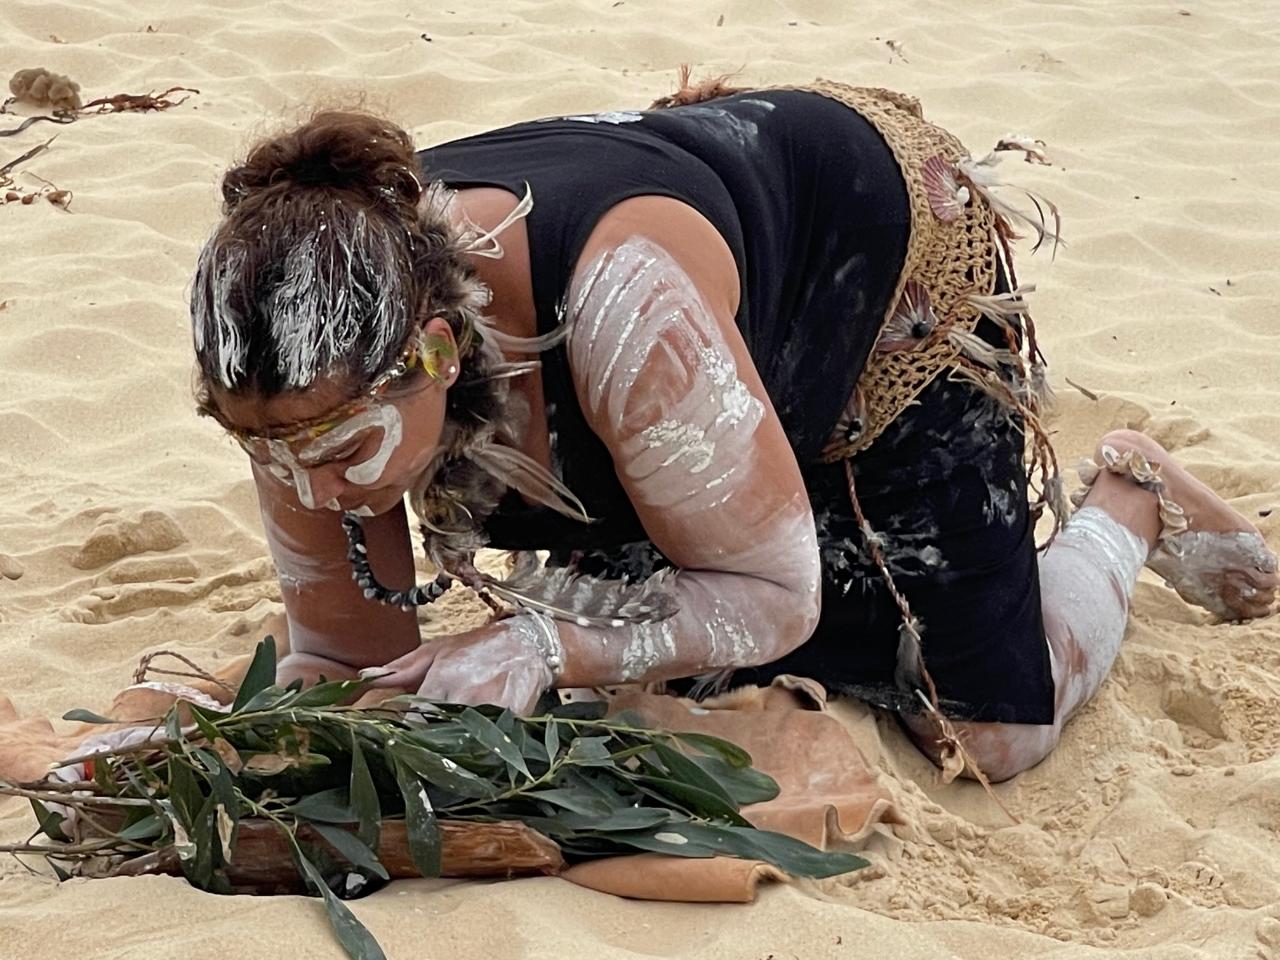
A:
[811,203]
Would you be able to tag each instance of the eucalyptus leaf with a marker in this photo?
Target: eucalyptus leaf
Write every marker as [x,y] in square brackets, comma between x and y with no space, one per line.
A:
[328,694]
[441,771]
[86,716]
[326,806]
[745,785]
[148,828]
[351,848]
[351,933]
[184,791]
[204,724]
[203,833]
[588,804]
[173,725]
[364,797]
[794,856]
[420,820]
[697,801]
[58,872]
[590,750]
[270,698]
[551,740]
[627,818]
[50,822]
[488,733]
[581,710]
[260,675]
[730,753]
[684,769]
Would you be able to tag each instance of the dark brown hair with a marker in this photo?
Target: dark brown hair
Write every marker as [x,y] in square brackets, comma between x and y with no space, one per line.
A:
[324,262]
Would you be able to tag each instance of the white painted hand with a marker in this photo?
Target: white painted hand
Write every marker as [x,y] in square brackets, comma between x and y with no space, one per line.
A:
[499,664]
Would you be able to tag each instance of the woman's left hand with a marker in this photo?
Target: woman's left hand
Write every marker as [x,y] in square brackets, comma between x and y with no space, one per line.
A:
[493,664]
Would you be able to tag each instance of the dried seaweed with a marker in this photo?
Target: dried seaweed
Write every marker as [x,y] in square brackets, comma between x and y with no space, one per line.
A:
[126,102]
[44,88]
[37,119]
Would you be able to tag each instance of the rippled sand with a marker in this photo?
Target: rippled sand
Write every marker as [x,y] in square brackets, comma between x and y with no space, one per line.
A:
[1153,830]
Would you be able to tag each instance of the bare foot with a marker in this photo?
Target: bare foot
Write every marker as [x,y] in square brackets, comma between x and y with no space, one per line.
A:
[1220,562]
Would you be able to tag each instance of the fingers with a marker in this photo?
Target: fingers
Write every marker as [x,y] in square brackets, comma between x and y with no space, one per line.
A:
[405,672]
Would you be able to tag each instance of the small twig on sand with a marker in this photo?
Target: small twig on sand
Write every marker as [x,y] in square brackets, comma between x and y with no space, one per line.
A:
[1085,390]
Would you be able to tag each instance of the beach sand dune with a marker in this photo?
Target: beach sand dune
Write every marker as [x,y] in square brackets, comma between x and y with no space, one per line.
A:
[1156,827]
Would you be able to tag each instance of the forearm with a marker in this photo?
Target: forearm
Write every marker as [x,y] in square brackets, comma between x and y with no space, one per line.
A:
[724,620]
[760,610]
[327,612]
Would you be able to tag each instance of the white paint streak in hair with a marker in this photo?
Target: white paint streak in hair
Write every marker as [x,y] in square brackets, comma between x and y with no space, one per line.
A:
[342,285]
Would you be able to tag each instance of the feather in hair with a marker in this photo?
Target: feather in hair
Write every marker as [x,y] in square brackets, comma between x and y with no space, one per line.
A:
[528,477]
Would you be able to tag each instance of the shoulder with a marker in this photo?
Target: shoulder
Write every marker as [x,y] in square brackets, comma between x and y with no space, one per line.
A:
[684,234]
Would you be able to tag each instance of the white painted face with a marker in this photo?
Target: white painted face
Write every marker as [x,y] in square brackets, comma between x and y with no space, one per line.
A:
[292,464]
[368,472]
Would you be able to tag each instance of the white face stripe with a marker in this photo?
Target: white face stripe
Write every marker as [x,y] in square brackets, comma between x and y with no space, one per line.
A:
[301,480]
[293,469]
[383,416]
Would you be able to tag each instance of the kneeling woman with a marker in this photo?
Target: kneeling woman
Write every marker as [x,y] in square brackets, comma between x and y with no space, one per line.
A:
[752,366]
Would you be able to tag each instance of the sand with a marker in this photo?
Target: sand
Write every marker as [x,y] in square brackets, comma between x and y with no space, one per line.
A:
[1154,830]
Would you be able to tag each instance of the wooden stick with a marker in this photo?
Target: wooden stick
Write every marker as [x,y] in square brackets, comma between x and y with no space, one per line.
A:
[262,863]
[54,796]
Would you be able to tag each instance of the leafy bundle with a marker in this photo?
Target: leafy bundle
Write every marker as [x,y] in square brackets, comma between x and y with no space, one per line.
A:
[320,771]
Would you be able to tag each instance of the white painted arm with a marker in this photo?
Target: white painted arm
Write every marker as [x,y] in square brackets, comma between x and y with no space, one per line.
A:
[664,378]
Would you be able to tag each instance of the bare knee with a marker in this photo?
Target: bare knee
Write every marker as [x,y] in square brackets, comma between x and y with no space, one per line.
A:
[1000,750]
[1004,750]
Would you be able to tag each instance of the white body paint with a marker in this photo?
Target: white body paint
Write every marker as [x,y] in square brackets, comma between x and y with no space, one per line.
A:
[283,456]
[384,416]
[1087,577]
[1196,571]
[659,381]
[637,303]
[609,116]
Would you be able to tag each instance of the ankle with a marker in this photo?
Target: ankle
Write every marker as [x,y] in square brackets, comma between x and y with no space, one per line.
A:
[1134,508]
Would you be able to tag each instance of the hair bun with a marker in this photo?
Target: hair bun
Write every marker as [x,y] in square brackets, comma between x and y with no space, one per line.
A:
[336,150]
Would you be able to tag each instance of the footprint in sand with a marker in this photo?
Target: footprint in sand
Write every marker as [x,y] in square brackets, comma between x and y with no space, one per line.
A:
[118,537]
[174,585]
[10,568]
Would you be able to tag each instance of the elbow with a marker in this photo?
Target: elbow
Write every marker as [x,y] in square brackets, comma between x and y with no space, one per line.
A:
[806,602]
[791,611]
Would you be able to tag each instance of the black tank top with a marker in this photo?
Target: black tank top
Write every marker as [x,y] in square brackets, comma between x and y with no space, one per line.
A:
[809,200]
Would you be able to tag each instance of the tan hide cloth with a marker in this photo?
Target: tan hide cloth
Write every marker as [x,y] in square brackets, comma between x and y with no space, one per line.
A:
[828,796]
